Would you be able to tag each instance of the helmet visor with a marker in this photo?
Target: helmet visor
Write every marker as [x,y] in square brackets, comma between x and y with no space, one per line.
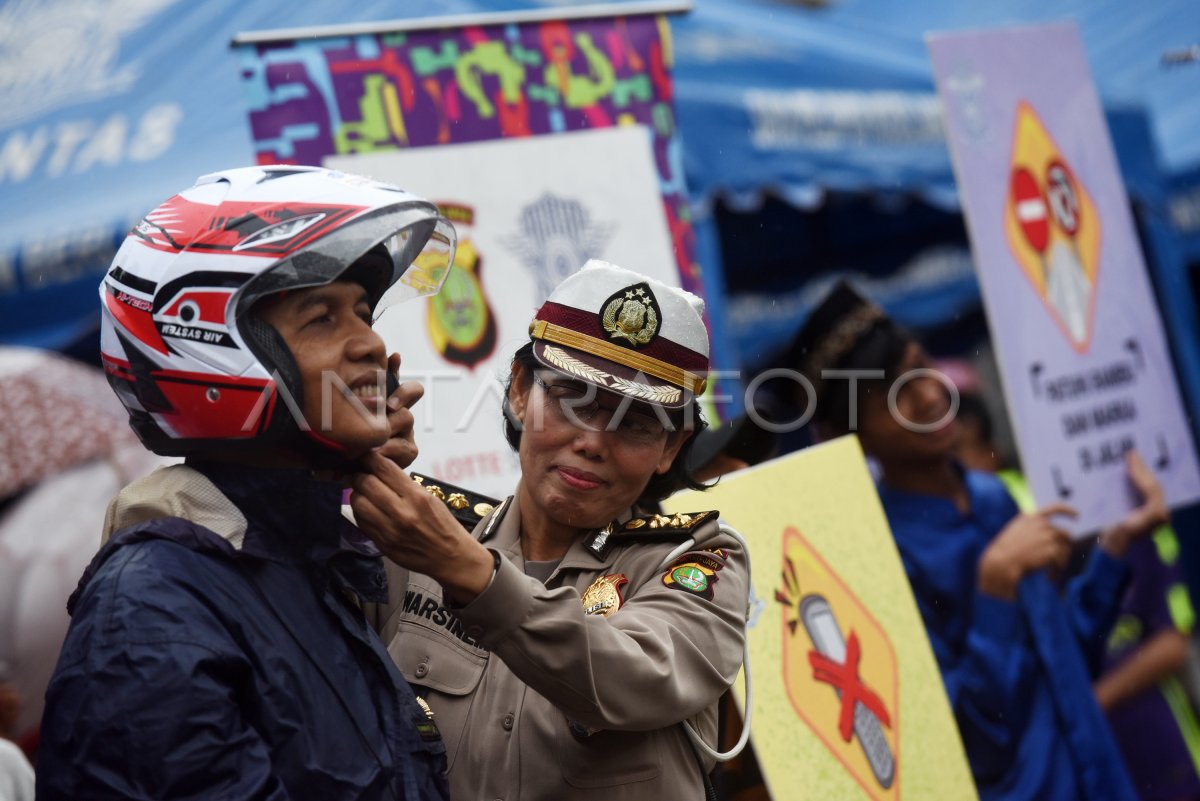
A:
[418,241]
[423,253]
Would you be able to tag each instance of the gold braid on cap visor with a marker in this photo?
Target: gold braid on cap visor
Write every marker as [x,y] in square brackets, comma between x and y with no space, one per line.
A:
[540,329]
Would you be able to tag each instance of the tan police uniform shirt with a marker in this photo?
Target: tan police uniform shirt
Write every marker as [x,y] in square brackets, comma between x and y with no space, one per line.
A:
[537,699]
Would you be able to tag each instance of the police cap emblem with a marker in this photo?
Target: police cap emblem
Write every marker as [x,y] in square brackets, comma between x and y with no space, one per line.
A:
[631,315]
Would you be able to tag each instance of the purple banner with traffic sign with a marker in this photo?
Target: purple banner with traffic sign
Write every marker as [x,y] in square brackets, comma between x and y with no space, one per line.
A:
[1081,347]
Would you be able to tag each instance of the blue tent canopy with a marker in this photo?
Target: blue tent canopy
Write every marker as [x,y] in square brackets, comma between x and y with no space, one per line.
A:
[841,97]
[771,98]
[1171,236]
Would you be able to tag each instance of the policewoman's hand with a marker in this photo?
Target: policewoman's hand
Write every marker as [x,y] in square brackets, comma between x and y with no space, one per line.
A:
[401,446]
[416,530]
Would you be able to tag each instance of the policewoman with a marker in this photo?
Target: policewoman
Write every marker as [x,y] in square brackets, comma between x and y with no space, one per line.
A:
[562,645]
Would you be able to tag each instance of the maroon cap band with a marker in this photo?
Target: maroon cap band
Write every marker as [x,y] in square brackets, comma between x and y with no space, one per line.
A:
[661,348]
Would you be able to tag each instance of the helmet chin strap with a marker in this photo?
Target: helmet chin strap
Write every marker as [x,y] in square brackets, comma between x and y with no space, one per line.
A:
[325,454]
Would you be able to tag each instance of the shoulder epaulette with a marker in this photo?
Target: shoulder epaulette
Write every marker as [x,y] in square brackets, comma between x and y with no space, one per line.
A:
[467,507]
[647,528]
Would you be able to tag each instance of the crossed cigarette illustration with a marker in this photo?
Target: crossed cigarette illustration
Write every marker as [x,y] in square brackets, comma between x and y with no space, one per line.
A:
[835,662]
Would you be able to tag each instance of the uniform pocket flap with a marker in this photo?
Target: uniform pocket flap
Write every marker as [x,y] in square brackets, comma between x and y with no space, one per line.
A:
[436,659]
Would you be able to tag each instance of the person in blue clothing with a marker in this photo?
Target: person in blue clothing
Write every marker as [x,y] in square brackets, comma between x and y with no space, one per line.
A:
[1151,715]
[1017,660]
[217,647]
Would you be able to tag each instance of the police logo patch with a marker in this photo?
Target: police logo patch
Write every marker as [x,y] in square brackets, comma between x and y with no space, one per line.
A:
[697,578]
[603,597]
[706,561]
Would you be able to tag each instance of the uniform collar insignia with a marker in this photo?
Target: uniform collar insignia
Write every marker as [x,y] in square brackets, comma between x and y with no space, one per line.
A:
[497,516]
[655,527]
[468,507]
[597,544]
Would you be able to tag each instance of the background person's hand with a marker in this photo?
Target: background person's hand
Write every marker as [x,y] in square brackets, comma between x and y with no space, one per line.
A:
[1143,519]
[401,446]
[1029,542]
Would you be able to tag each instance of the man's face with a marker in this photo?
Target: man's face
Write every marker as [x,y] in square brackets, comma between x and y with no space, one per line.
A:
[342,363]
[885,430]
[579,468]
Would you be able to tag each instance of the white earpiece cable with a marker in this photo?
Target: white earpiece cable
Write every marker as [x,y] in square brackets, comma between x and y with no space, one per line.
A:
[692,734]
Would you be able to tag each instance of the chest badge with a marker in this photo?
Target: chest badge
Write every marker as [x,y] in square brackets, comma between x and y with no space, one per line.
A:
[603,597]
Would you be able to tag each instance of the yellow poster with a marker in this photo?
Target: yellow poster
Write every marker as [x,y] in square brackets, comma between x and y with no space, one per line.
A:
[847,699]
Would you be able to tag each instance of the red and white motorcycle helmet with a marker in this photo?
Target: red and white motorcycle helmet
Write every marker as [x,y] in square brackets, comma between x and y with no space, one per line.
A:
[197,371]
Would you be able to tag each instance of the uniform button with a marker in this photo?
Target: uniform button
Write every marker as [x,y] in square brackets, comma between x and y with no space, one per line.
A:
[421,670]
[508,722]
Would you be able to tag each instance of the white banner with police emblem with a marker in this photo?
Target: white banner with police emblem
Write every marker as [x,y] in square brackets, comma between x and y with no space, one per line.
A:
[529,212]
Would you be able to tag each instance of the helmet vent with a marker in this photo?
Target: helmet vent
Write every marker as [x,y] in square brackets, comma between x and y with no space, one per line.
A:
[278,232]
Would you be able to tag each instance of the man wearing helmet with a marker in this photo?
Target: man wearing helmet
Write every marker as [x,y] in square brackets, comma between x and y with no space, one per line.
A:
[217,648]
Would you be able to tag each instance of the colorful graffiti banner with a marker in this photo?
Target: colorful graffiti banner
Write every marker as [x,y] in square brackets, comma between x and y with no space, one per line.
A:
[340,95]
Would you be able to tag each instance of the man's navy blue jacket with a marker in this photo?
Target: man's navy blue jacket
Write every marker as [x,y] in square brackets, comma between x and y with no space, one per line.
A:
[200,668]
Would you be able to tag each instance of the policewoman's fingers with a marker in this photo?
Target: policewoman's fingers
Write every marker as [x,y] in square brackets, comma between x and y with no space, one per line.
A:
[405,395]
[376,464]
